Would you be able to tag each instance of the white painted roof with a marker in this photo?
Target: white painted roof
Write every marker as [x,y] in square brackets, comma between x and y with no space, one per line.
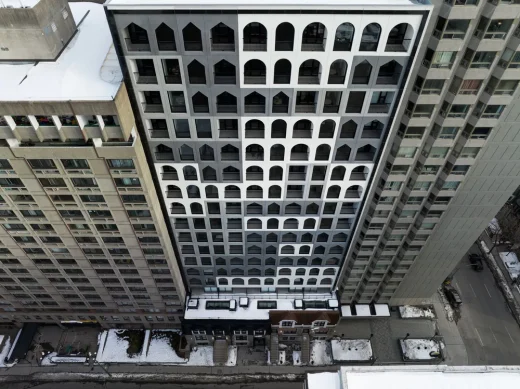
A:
[85,70]
[413,377]
[250,312]
[258,4]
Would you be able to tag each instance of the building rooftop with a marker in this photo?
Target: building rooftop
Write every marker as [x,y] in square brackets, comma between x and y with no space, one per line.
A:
[412,377]
[258,4]
[87,69]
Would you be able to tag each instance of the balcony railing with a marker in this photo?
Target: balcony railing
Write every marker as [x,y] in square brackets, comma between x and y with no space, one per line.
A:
[281,108]
[232,194]
[302,134]
[299,156]
[293,176]
[254,79]
[397,45]
[336,79]
[254,156]
[200,108]
[159,134]
[330,108]
[145,79]
[352,194]
[225,79]
[178,108]
[282,79]
[222,46]
[254,108]
[254,176]
[197,79]
[255,133]
[379,108]
[388,79]
[174,194]
[305,108]
[231,176]
[229,156]
[313,44]
[365,156]
[164,156]
[255,46]
[342,46]
[166,45]
[294,194]
[254,194]
[193,45]
[308,80]
[284,45]
[153,108]
[371,134]
[223,133]
[173,79]
[137,46]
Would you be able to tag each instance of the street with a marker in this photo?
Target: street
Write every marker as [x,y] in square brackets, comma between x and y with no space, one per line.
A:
[489,332]
[124,385]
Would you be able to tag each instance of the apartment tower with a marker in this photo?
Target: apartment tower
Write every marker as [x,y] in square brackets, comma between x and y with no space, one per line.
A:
[83,237]
[265,124]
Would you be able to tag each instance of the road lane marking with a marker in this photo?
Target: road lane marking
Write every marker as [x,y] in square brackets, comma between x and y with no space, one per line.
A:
[485,286]
[473,290]
[479,338]
[510,337]
[496,341]
[517,288]
[458,287]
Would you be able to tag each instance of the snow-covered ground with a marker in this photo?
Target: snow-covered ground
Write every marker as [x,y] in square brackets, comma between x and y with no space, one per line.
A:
[281,357]
[232,356]
[160,350]
[351,349]
[320,353]
[201,356]
[420,349]
[415,312]
[112,348]
[297,358]
[52,359]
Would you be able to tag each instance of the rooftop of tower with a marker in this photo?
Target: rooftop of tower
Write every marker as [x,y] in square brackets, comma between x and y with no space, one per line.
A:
[259,4]
[87,69]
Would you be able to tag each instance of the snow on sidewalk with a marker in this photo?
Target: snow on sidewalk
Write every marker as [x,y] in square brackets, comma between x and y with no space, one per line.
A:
[160,350]
[112,348]
[420,349]
[351,350]
[416,312]
[320,353]
[5,350]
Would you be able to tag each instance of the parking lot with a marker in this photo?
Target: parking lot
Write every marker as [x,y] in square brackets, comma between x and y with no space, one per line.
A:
[490,334]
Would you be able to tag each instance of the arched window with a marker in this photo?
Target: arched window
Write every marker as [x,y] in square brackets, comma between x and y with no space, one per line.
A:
[169,173]
[255,37]
[309,72]
[231,173]
[327,129]
[344,37]
[275,192]
[177,209]
[300,152]
[370,37]
[211,192]
[290,224]
[287,250]
[254,224]
[400,38]
[282,72]
[354,192]
[302,129]
[276,173]
[284,37]
[279,129]
[338,173]
[333,192]
[254,173]
[313,37]
[255,129]
[254,72]
[309,224]
[193,192]
[277,153]
[190,174]
[232,192]
[196,209]
[254,192]
[322,153]
[237,281]
[272,224]
[337,72]
[254,152]
[359,173]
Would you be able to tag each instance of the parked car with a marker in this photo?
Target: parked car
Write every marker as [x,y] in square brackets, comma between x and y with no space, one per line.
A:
[476,262]
[452,295]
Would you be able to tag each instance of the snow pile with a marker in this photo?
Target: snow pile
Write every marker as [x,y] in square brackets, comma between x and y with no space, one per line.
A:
[160,350]
[320,353]
[420,349]
[5,350]
[351,350]
[450,314]
[297,358]
[112,348]
[232,356]
[52,359]
[46,360]
[201,356]
[281,357]
[415,312]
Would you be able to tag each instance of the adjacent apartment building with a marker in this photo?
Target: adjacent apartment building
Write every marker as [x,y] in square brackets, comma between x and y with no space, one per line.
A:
[265,124]
[82,233]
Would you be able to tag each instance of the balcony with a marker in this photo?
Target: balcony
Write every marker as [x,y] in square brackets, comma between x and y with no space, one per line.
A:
[305,108]
[136,46]
[201,108]
[379,108]
[281,108]
[229,156]
[298,156]
[153,108]
[295,194]
[145,78]
[284,45]
[365,156]
[316,44]
[231,176]
[254,80]
[193,45]
[226,108]
[174,194]
[397,45]
[173,79]
[254,176]
[159,134]
[220,80]
[255,46]
[232,194]
[282,79]
[166,45]
[178,108]
[254,108]
[228,133]
[164,156]
[331,108]
[309,80]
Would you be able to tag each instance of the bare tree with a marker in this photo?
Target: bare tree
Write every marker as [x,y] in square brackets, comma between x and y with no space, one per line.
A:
[506,230]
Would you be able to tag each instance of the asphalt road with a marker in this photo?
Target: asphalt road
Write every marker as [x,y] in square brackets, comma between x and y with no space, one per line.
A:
[121,385]
[489,332]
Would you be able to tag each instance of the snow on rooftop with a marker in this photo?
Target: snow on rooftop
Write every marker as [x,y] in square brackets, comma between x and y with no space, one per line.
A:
[363,310]
[85,70]
[250,312]
[179,4]
[324,380]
